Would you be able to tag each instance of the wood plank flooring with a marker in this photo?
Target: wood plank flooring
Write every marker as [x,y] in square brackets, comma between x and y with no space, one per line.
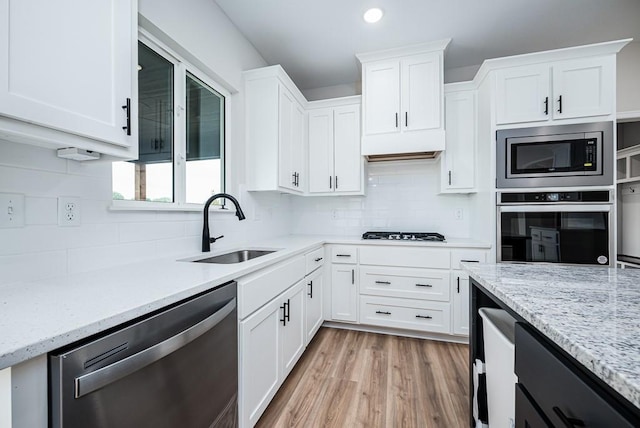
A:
[356,379]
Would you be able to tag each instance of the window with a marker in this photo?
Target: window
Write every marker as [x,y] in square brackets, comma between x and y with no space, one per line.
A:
[181,135]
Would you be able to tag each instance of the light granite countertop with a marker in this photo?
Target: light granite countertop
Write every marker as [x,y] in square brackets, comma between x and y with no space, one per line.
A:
[37,317]
[590,312]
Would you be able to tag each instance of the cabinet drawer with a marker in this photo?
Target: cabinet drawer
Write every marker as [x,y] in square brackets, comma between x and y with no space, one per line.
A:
[314,260]
[258,288]
[457,256]
[409,283]
[405,257]
[558,387]
[344,254]
[408,314]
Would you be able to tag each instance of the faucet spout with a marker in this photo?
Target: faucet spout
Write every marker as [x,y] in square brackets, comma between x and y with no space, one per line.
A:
[206,237]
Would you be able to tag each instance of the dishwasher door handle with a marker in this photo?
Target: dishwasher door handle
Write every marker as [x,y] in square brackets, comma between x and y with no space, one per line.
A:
[100,378]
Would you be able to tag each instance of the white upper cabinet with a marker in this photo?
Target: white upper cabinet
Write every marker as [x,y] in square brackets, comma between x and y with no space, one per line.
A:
[556,90]
[335,162]
[458,161]
[275,131]
[69,68]
[402,92]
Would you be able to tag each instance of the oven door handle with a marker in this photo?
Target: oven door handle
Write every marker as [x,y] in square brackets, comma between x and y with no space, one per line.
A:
[100,378]
[541,208]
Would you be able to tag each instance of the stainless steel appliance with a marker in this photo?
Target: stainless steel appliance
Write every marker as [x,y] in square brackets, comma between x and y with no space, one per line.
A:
[175,368]
[555,156]
[555,227]
[404,236]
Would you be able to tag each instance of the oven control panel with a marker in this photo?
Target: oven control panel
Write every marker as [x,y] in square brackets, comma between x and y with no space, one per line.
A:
[554,197]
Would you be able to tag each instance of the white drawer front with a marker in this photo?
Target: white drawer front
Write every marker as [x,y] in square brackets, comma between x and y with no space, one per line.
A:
[256,289]
[438,258]
[457,256]
[344,254]
[407,314]
[426,284]
[314,260]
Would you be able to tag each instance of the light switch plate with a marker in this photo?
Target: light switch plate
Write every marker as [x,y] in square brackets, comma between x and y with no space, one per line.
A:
[68,211]
[11,210]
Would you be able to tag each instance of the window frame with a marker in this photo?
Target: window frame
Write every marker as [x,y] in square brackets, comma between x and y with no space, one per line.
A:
[182,68]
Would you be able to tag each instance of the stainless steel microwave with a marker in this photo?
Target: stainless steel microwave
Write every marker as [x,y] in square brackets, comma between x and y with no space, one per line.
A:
[555,156]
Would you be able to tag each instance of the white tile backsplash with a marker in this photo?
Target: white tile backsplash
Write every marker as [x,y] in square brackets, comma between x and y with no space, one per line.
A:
[400,196]
[107,238]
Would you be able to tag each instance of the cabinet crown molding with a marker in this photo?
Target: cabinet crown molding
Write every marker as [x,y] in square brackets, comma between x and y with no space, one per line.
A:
[278,72]
[435,46]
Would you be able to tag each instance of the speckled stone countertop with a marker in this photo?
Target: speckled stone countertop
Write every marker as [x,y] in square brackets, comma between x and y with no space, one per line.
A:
[40,316]
[590,312]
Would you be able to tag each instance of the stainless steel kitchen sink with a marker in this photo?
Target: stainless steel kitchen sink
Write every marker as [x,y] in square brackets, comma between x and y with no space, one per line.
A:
[238,256]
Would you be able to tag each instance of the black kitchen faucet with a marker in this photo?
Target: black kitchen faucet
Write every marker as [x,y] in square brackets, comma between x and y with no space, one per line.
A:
[206,239]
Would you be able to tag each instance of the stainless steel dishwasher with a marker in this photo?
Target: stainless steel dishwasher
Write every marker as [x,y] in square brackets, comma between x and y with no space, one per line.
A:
[175,368]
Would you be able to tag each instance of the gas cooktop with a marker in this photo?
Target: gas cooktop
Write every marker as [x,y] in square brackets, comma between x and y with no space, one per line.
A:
[404,236]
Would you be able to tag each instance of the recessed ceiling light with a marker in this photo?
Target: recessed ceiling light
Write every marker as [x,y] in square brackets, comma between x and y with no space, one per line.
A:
[373,15]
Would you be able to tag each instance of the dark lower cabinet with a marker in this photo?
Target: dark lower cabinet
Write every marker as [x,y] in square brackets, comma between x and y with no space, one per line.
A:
[527,414]
[552,391]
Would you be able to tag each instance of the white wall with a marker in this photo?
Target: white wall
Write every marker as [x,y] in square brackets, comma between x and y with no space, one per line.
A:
[107,238]
[628,78]
[401,196]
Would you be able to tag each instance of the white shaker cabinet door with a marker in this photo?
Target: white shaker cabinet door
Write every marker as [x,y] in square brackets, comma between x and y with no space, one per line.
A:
[260,356]
[292,333]
[460,291]
[286,104]
[344,293]
[523,94]
[583,87]
[68,65]
[348,160]
[459,158]
[313,304]
[421,87]
[382,98]
[321,178]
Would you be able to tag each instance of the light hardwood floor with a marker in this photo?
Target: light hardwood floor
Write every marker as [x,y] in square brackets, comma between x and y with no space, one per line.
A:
[356,379]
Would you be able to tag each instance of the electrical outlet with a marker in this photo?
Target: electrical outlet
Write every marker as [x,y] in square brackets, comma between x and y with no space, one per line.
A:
[11,210]
[68,211]
[458,214]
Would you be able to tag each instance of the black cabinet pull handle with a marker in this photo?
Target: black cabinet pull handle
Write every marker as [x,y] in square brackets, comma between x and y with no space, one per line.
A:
[383,282]
[330,182]
[427,317]
[546,105]
[310,293]
[396,120]
[568,422]
[406,119]
[283,320]
[353,276]
[343,255]
[470,261]
[424,285]
[293,179]
[449,178]
[383,312]
[318,259]
[336,182]
[560,104]
[458,279]
[288,314]
[127,109]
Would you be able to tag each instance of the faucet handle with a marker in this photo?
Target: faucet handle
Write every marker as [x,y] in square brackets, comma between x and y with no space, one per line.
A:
[212,240]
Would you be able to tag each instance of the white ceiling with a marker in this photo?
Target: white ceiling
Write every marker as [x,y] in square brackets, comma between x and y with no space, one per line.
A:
[316,40]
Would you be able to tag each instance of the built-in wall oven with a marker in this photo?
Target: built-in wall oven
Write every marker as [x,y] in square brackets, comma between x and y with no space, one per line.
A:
[571,227]
[555,156]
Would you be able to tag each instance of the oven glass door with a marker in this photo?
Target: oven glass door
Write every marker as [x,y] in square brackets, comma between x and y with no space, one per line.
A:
[536,157]
[529,234]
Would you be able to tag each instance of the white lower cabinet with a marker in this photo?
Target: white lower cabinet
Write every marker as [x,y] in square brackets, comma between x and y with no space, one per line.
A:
[460,287]
[313,304]
[271,342]
[410,314]
[5,397]
[344,293]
